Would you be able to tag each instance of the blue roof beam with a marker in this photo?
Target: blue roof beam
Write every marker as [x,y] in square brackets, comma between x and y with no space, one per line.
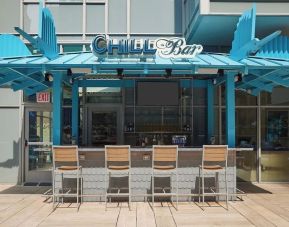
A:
[275,77]
[32,90]
[28,83]
[218,81]
[7,78]
[250,81]
[34,78]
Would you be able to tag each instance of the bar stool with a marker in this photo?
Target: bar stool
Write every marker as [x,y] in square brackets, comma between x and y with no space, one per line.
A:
[214,160]
[66,161]
[117,161]
[165,162]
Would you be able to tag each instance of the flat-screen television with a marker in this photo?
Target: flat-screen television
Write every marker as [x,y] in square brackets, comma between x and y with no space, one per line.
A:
[157,93]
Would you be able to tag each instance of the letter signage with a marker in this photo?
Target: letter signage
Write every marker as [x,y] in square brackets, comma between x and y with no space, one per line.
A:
[102,45]
[43,97]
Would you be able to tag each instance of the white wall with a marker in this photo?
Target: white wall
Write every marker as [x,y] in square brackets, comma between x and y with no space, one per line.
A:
[9,136]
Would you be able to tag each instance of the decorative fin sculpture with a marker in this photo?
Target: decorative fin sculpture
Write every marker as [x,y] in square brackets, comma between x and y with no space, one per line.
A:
[276,48]
[245,43]
[12,46]
[46,41]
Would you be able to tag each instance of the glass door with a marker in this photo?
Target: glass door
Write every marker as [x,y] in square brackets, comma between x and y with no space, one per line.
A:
[104,127]
[38,153]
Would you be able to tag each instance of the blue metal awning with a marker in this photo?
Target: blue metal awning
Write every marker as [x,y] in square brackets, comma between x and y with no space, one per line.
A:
[263,64]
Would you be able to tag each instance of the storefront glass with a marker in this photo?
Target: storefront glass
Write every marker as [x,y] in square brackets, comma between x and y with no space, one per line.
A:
[274,144]
[39,138]
[246,137]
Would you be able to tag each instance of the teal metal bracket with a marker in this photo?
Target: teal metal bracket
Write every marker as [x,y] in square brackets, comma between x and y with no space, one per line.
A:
[57,109]
[230,110]
[75,112]
[211,112]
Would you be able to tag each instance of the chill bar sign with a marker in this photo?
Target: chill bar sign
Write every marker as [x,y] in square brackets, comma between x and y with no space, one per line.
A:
[164,47]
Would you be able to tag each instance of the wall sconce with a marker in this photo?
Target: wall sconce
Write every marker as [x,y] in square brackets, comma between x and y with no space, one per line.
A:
[238,77]
[48,77]
[119,73]
[168,73]
[221,72]
[69,72]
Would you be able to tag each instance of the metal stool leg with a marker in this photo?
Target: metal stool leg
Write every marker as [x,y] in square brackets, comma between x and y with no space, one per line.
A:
[203,188]
[53,190]
[81,189]
[199,185]
[129,190]
[105,188]
[177,178]
[62,187]
[153,190]
[77,188]
[226,182]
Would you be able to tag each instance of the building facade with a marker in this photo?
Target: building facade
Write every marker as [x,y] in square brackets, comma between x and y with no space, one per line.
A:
[112,115]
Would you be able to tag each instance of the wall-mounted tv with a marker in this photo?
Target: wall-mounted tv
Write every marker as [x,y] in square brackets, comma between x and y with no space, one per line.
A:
[157,93]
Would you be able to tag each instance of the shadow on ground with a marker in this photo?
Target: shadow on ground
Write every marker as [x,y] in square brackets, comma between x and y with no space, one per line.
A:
[250,188]
[19,189]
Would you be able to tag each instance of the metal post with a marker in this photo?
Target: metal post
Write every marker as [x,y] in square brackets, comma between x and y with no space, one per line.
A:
[211,113]
[75,111]
[230,109]
[259,139]
[57,108]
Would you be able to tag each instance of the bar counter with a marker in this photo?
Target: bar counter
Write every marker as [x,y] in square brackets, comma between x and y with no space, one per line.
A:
[95,149]
[92,161]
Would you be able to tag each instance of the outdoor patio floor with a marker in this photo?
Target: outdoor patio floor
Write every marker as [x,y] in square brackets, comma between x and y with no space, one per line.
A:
[264,205]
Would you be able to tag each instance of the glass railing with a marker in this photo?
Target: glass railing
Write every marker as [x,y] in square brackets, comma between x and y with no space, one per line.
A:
[246,164]
[275,166]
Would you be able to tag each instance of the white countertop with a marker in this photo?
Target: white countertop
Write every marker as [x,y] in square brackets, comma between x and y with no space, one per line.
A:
[147,149]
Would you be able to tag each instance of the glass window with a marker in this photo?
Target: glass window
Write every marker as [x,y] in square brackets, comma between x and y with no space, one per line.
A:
[275,166]
[186,97]
[95,18]
[274,129]
[129,119]
[275,145]
[148,119]
[171,119]
[151,16]
[72,48]
[246,163]
[117,16]
[67,127]
[246,127]
[103,95]
[67,95]
[279,97]
[245,99]
[199,126]
[129,96]
[186,119]
[40,126]
[9,15]
[31,16]
[216,126]
[199,97]
[246,137]
[68,18]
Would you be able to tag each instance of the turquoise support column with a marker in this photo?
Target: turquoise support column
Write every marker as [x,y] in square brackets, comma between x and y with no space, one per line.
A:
[57,108]
[230,110]
[211,112]
[75,111]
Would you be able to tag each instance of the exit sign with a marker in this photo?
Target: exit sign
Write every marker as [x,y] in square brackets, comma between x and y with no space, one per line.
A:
[43,97]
